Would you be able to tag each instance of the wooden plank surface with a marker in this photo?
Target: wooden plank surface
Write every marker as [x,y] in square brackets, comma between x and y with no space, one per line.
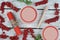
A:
[50,4]
[49,14]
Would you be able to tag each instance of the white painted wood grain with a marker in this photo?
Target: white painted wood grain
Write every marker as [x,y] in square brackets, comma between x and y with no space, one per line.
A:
[18,4]
[49,14]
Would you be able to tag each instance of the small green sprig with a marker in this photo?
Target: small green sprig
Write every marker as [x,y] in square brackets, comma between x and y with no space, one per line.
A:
[21,0]
[28,2]
[38,37]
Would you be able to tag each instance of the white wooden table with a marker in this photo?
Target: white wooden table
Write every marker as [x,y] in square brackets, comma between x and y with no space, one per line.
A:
[49,14]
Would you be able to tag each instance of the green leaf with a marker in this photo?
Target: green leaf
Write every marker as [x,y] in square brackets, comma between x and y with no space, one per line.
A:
[21,0]
[28,2]
[38,37]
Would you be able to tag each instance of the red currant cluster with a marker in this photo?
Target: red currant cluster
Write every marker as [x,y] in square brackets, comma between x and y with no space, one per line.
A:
[56,13]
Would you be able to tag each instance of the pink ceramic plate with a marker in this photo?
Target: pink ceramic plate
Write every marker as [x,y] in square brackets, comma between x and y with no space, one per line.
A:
[28,14]
[50,33]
